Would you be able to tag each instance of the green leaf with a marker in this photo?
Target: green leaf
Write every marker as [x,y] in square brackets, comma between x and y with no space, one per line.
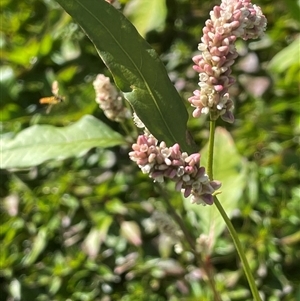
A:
[39,244]
[131,231]
[136,68]
[293,9]
[146,15]
[39,143]
[230,170]
[97,235]
[286,58]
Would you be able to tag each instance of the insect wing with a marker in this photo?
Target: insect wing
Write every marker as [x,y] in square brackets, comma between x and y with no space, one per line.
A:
[52,100]
[49,108]
[55,87]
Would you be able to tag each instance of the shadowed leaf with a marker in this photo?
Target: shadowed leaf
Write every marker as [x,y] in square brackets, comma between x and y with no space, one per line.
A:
[136,68]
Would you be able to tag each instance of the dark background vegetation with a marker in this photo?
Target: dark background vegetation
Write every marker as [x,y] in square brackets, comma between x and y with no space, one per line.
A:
[64,224]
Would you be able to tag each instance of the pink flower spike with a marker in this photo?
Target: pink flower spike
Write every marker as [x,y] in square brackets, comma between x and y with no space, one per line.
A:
[110,100]
[231,20]
[161,163]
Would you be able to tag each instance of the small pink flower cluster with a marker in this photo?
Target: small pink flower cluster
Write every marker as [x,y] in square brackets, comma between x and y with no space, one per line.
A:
[162,162]
[231,20]
[109,100]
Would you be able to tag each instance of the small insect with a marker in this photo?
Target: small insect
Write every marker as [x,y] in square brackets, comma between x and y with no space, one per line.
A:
[52,100]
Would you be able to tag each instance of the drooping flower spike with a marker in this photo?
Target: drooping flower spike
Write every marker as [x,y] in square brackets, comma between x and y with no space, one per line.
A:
[231,20]
[162,162]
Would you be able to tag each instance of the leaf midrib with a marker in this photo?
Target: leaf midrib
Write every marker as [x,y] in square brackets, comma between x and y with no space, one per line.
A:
[128,56]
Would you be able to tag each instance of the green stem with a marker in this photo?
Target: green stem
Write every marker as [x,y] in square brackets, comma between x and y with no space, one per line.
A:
[239,249]
[212,126]
[230,227]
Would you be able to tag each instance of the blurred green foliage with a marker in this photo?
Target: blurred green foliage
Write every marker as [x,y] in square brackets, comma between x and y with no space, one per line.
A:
[83,229]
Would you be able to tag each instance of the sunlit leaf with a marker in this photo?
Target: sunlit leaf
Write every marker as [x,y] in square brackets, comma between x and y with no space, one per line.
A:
[39,143]
[286,58]
[131,231]
[55,284]
[15,289]
[38,246]
[25,55]
[146,15]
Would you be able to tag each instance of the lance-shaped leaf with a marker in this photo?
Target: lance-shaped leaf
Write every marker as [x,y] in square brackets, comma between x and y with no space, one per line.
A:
[39,143]
[136,68]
